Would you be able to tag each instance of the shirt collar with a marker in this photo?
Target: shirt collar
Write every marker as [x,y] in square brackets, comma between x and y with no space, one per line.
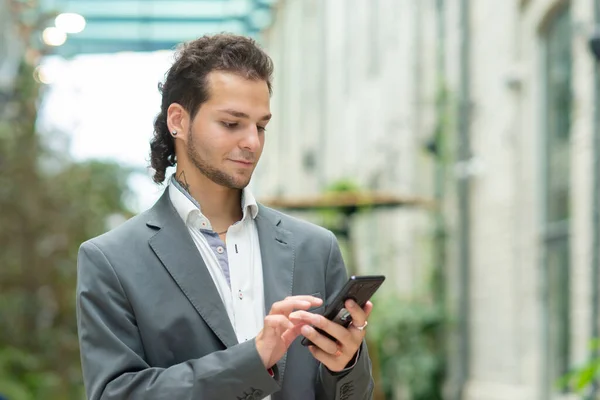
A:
[185,204]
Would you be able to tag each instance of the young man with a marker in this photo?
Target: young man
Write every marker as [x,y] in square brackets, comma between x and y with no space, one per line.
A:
[205,295]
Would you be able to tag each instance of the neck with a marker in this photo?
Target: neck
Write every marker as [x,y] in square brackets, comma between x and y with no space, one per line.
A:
[221,205]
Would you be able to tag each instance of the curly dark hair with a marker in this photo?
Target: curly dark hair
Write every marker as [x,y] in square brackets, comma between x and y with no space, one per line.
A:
[186,84]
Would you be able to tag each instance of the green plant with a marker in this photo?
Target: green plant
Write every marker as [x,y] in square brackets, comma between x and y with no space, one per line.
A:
[406,337]
[25,376]
[581,379]
[336,218]
[410,355]
[343,186]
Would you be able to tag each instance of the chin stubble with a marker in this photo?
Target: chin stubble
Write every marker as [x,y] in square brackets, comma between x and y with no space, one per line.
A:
[214,174]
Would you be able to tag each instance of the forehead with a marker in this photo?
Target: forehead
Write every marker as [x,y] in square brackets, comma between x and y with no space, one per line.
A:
[234,91]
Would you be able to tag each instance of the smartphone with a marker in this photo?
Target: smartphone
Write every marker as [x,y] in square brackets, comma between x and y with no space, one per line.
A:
[358,288]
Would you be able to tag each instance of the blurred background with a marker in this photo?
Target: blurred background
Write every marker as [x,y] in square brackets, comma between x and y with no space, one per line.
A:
[452,145]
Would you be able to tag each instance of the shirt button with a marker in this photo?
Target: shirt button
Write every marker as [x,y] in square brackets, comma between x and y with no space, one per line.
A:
[240,295]
[220,249]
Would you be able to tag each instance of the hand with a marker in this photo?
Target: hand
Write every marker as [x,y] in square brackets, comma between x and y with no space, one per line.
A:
[279,332]
[335,356]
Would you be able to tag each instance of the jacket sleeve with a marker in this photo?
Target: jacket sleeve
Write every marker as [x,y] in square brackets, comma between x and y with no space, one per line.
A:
[357,382]
[112,353]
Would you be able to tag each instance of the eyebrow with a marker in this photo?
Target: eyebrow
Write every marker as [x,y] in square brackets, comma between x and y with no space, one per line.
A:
[239,114]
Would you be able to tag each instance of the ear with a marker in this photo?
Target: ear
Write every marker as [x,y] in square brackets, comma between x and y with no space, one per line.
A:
[178,120]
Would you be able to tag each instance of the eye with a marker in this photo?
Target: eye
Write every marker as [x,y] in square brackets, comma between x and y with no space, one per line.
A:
[261,128]
[229,125]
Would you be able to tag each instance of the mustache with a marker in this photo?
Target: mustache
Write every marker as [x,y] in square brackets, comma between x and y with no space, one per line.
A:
[245,157]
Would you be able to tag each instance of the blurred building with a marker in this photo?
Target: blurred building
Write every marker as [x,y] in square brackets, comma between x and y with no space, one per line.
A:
[151,25]
[369,90]
[490,107]
[10,50]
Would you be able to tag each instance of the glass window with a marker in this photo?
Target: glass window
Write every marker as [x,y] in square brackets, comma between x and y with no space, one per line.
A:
[557,115]
[374,40]
[557,262]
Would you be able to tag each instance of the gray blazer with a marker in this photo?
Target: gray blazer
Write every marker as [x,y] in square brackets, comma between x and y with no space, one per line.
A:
[152,326]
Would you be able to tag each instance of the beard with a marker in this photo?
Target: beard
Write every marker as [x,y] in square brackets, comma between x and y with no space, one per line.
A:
[214,174]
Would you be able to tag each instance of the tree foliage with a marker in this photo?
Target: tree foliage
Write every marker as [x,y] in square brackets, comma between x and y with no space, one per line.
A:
[49,205]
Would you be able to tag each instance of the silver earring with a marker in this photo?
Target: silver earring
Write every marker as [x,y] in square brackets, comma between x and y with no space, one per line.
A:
[174,133]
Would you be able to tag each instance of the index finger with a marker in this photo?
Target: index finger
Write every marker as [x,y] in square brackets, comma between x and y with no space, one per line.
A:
[292,303]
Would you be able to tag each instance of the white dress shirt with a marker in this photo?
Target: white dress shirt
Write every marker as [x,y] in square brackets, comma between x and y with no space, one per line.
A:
[244,299]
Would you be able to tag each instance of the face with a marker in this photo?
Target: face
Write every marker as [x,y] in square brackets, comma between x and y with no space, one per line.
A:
[226,137]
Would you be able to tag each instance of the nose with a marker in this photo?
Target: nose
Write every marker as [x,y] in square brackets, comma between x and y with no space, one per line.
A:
[251,140]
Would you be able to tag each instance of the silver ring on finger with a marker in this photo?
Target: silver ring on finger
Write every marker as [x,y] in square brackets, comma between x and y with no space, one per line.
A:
[361,328]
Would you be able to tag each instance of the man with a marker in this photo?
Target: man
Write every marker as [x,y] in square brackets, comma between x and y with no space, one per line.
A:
[207,294]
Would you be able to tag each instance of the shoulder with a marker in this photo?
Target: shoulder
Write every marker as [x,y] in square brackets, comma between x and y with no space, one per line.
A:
[125,236]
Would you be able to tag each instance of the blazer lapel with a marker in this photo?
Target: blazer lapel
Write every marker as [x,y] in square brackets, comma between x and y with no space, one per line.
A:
[175,248]
[277,253]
